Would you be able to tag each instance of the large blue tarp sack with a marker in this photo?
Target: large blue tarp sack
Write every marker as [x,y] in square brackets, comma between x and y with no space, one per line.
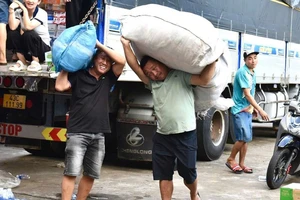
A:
[74,48]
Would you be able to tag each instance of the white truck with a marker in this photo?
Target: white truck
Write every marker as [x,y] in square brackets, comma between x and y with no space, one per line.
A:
[33,114]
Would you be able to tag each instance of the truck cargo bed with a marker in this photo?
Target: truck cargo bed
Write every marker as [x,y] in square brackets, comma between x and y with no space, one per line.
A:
[4,71]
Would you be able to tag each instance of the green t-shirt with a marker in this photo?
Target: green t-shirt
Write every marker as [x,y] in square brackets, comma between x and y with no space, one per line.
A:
[174,103]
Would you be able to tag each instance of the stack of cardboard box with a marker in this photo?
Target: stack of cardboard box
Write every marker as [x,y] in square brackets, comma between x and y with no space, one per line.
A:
[56,16]
[56,24]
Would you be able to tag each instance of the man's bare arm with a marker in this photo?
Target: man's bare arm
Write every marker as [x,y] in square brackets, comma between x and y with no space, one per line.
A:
[62,83]
[252,101]
[205,76]
[115,56]
[132,61]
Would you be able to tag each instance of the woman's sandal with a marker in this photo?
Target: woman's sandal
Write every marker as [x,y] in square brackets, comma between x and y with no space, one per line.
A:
[247,170]
[34,66]
[19,66]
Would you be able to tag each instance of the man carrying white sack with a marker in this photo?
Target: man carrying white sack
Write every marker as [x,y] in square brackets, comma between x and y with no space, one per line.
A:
[176,136]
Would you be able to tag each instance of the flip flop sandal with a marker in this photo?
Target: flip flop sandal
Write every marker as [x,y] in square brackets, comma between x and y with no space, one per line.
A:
[247,170]
[235,168]
[198,194]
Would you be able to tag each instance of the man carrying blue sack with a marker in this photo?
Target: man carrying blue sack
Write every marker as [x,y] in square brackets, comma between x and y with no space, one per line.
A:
[88,118]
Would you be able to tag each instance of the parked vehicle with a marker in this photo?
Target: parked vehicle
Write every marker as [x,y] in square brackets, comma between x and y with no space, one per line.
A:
[286,156]
[33,114]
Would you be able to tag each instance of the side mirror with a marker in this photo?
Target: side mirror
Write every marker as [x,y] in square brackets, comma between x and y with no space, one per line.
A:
[294,107]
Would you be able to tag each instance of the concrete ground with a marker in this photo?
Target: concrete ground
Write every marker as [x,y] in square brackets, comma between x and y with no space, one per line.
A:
[133,181]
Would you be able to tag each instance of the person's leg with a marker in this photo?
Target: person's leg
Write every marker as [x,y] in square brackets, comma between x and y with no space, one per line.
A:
[166,189]
[242,157]
[9,42]
[85,7]
[73,9]
[22,58]
[75,150]
[248,138]
[92,164]
[239,134]
[14,57]
[84,188]
[186,154]
[16,43]
[193,189]
[163,163]
[234,151]
[3,34]
[67,187]
[34,45]
[3,37]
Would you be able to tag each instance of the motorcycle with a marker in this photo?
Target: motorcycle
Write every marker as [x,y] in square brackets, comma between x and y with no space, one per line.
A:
[286,158]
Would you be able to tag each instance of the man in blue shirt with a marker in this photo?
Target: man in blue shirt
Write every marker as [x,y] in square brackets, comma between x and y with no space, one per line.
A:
[245,105]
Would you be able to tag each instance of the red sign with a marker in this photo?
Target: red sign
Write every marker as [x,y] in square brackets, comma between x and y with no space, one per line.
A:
[10,129]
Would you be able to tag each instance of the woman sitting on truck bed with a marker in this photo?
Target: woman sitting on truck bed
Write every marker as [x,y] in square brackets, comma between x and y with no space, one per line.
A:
[33,40]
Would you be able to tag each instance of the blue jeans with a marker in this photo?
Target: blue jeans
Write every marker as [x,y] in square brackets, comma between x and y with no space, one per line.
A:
[4,11]
[85,150]
[242,124]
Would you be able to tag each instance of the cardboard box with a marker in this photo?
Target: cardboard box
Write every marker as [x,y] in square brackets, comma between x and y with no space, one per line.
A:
[51,1]
[59,18]
[48,56]
[290,192]
[58,7]
[60,29]
[54,7]
[52,28]
[48,60]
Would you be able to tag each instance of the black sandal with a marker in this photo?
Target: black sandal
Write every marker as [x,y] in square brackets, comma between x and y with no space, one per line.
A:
[198,195]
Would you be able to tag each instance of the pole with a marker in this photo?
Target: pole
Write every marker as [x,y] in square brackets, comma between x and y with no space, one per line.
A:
[101,22]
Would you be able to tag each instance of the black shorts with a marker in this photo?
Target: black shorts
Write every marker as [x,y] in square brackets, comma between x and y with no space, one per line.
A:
[168,148]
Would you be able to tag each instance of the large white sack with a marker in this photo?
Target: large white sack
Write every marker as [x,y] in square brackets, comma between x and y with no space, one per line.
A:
[210,95]
[181,40]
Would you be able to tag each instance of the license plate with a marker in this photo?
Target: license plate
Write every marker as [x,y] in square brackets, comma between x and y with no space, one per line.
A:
[14,101]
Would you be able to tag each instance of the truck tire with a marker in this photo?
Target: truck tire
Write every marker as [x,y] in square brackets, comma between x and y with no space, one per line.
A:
[58,148]
[49,149]
[212,131]
[35,152]
[44,149]
[231,136]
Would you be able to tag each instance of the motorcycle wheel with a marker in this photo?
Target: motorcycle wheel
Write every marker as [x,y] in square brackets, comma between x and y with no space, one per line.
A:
[276,172]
